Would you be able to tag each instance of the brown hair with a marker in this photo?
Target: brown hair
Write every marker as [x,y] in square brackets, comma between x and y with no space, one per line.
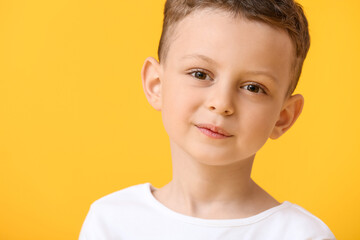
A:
[284,14]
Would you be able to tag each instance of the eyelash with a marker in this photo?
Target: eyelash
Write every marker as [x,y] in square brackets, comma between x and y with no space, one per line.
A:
[259,87]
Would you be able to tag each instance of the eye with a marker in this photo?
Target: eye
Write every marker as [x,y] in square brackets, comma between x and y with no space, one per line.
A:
[254,88]
[201,75]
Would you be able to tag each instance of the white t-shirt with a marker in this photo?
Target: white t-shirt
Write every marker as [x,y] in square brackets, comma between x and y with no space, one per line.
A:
[134,213]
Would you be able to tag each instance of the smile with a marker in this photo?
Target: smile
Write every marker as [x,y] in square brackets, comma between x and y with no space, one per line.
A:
[213,131]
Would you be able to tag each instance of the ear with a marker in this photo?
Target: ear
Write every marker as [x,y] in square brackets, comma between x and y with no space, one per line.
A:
[151,82]
[288,115]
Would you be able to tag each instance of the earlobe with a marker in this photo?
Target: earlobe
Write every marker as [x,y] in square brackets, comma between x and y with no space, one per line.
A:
[151,82]
[288,115]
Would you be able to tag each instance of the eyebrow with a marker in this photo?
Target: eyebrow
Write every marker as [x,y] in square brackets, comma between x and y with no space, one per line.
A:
[213,62]
[260,72]
[200,56]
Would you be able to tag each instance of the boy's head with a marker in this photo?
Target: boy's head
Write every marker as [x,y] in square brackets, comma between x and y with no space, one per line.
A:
[223,80]
[284,14]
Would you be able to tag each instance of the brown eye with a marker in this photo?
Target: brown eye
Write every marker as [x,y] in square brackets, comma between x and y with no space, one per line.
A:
[200,75]
[254,88]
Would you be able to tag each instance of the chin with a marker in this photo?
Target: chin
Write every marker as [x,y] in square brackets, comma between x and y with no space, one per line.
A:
[210,159]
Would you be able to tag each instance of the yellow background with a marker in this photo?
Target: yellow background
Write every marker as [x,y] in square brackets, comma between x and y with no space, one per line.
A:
[75,125]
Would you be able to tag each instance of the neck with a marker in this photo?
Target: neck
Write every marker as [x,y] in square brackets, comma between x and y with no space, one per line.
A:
[204,183]
[199,189]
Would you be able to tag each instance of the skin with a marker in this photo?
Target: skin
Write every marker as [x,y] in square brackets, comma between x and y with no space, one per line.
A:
[228,73]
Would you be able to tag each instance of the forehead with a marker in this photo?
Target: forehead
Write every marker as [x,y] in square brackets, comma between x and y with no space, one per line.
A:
[232,41]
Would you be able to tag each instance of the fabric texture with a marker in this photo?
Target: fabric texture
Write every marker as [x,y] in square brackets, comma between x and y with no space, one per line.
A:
[134,213]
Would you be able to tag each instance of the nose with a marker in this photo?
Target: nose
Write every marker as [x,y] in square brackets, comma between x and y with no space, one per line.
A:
[220,101]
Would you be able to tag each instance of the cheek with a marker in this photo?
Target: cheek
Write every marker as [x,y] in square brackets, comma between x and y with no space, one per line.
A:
[178,98]
[178,109]
[261,120]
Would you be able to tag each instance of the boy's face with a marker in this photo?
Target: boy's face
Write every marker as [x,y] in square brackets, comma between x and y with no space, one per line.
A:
[223,86]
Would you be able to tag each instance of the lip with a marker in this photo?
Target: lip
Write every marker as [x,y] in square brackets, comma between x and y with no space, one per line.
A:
[213,131]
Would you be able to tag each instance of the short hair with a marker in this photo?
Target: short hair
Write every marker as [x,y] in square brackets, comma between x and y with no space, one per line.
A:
[287,15]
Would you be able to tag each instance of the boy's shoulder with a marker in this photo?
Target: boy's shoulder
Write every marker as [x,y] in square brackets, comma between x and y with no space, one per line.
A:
[126,192]
[130,195]
[296,218]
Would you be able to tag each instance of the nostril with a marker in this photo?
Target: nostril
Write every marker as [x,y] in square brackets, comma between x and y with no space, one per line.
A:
[223,111]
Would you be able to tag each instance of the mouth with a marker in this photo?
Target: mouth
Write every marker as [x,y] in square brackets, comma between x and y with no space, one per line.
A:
[213,131]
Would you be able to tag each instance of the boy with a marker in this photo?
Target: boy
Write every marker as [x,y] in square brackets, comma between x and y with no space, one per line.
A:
[224,84]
